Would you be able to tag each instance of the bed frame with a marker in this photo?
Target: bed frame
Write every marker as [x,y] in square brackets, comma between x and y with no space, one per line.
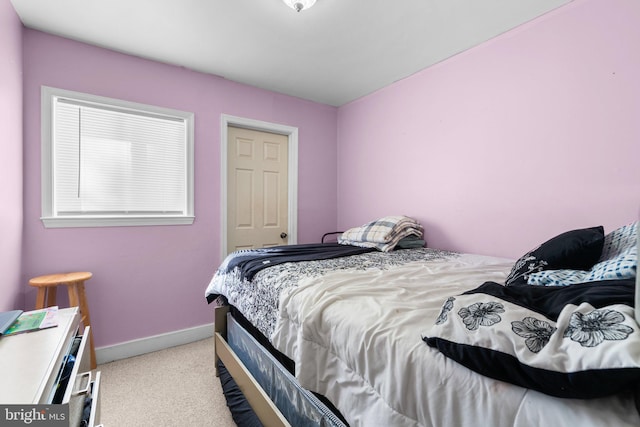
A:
[262,405]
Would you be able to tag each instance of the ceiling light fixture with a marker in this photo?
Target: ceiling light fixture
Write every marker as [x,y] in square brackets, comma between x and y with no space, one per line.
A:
[298,5]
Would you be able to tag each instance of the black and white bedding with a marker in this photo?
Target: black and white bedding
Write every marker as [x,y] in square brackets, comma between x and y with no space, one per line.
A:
[581,341]
[258,299]
[422,337]
[248,262]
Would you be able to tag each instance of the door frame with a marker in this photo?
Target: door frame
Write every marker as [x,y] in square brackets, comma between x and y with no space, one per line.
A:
[291,133]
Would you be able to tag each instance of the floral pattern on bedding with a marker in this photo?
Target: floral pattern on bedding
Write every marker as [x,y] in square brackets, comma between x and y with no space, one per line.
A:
[578,341]
[258,299]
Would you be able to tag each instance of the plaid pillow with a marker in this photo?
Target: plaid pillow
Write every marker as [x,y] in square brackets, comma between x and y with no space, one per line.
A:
[382,234]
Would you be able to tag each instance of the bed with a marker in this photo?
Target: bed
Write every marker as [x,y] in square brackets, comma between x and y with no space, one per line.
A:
[426,337]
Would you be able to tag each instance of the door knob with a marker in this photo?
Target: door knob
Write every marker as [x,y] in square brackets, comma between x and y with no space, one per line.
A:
[283,235]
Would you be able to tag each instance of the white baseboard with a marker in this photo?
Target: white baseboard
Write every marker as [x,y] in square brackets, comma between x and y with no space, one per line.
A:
[153,343]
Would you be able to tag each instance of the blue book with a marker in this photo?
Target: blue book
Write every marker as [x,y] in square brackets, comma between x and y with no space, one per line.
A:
[7,318]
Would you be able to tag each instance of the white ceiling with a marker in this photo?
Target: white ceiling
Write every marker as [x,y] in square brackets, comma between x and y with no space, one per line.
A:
[333,53]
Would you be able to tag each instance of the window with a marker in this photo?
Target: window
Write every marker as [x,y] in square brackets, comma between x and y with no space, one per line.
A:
[107,162]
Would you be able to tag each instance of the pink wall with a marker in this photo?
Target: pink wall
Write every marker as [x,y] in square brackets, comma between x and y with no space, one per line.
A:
[501,146]
[11,288]
[151,280]
[505,145]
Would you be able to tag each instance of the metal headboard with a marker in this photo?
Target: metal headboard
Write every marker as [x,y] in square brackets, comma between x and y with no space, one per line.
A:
[330,234]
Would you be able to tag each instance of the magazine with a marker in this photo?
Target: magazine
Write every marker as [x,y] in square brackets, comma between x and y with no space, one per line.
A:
[34,321]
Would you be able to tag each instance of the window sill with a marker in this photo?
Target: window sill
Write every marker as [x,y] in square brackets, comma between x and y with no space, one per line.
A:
[138,221]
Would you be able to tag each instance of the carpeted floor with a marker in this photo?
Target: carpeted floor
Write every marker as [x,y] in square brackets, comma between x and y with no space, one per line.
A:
[172,387]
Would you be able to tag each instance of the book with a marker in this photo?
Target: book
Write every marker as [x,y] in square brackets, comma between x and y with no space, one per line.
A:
[34,321]
[7,318]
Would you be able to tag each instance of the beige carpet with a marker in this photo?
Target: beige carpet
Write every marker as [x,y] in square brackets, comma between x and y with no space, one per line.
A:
[172,387]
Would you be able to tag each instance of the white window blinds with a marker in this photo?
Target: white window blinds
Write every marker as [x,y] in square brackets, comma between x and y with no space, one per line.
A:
[112,161]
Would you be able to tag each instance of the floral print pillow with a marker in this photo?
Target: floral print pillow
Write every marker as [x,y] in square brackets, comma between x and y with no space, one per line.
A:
[578,341]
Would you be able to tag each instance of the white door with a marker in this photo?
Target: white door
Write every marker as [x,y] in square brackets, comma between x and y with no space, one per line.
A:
[257,189]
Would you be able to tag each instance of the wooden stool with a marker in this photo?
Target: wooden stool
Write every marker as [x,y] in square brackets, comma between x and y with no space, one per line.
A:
[47,286]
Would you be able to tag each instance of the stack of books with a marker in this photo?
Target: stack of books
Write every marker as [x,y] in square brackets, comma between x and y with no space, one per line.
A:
[17,321]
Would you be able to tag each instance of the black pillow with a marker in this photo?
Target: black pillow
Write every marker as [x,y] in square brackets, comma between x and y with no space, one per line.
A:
[575,250]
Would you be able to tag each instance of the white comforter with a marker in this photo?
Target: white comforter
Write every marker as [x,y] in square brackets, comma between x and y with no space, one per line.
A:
[355,337]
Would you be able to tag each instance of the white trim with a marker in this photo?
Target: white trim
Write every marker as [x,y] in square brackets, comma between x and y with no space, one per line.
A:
[153,343]
[292,134]
[63,222]
[47,97]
